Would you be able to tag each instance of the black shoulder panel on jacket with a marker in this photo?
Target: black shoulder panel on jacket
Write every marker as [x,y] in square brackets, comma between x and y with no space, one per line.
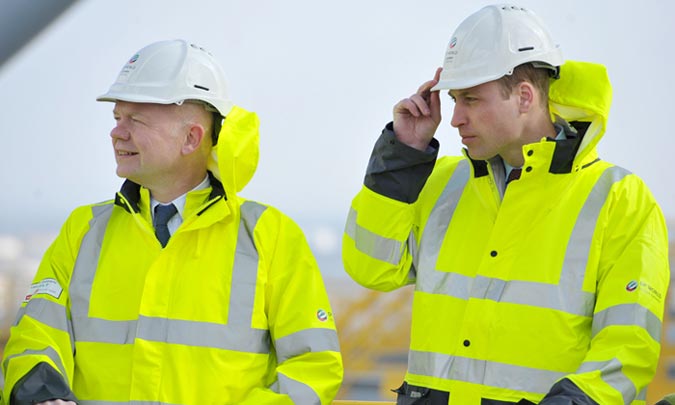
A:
[397,170]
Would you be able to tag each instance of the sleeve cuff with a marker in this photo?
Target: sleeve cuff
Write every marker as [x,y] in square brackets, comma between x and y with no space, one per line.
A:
[397,170]
[41,383]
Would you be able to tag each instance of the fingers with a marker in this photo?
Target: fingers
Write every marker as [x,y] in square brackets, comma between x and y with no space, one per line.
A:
[425,97]
[424,102]
[408,106]
[414,105]
[425,88]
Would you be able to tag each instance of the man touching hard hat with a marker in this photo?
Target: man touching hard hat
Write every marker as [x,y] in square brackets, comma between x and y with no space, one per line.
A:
[540,270]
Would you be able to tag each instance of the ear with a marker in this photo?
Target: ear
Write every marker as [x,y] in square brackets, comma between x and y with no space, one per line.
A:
[194,138]
[526,96]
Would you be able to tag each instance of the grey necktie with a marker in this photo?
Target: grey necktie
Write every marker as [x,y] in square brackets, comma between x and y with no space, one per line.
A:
[163,213]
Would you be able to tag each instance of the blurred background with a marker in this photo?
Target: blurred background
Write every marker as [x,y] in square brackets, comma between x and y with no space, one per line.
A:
[323,77]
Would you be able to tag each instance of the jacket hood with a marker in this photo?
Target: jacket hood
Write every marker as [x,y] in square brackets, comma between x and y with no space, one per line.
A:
[234,158]
[583,94]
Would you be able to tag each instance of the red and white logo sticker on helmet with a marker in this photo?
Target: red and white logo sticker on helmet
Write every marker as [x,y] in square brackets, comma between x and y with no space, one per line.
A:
[453,43]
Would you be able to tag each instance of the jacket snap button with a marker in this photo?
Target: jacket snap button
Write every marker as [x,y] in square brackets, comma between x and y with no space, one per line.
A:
[493,253]
[467,343]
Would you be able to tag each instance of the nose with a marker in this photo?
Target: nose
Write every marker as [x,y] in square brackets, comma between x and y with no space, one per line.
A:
[458,116]
[119,131]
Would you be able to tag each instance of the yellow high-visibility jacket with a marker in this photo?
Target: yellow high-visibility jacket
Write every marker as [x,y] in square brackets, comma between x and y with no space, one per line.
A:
[232,311]
[562,277]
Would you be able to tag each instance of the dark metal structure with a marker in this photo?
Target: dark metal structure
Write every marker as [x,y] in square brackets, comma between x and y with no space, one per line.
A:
[22,20]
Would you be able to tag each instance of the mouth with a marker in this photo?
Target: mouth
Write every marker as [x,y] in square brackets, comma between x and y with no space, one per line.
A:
[125,153]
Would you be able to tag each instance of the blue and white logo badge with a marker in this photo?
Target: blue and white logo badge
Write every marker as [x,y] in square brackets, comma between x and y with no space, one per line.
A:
[321,315]
[632,286]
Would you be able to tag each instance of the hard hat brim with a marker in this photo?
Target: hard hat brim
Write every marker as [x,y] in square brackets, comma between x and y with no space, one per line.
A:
[462,84]
[223,107]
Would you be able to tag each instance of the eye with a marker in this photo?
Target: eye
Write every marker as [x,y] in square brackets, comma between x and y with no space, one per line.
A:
[136,120]
[470,99]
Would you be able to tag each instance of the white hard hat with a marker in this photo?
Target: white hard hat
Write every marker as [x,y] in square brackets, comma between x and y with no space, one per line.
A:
[171,72]
[490,43]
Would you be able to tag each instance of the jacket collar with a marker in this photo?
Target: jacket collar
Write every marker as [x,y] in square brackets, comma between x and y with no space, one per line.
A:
[563,155]
[131,192]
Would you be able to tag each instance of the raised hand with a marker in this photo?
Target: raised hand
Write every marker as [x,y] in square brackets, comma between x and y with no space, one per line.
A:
[417,117]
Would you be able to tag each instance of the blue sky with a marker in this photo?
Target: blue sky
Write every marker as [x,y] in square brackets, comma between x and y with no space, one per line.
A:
[323,76]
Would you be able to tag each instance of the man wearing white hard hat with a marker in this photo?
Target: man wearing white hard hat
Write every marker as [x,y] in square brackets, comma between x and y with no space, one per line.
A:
[177,291]
[540,270]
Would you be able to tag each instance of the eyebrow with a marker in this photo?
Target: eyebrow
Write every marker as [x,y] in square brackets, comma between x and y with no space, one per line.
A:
[126,112]
[458,93]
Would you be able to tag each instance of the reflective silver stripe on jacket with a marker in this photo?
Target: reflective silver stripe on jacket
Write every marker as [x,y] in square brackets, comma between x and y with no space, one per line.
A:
[390,250]
[49,352]
[236,335]
[628,314]
[439,219]
[306,341]
[610,372]
[299,392]
[384,249]
[49,313]
[483,372]
[567,296]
